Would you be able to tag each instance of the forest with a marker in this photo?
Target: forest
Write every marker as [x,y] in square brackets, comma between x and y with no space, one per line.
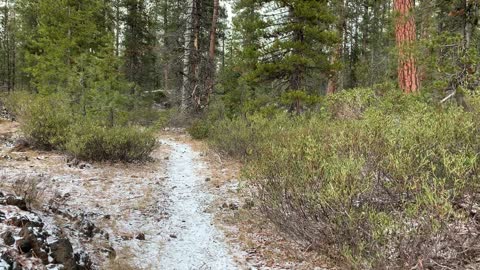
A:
[326,134]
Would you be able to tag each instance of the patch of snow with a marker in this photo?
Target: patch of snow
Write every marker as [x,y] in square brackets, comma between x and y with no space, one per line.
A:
[193,240]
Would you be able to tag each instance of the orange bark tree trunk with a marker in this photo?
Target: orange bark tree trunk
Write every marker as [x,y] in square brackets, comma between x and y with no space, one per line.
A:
[211,55]
[405,33]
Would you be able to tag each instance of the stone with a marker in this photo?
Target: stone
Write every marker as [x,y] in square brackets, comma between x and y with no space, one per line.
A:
[8,238]
[24,245]
[140,236]
[111,253]
[173,236]
[83,261]
[23,221]
[16,201]
[233,206]
[208,179]
[36,241]
[88,228]
[62,253]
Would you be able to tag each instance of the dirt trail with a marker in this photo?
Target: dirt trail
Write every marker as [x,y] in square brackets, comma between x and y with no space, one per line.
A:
[194,241]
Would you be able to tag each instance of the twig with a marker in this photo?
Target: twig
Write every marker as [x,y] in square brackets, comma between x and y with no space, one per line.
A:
[448,97]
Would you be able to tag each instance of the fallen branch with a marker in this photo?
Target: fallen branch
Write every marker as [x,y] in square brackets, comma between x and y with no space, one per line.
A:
[448,97]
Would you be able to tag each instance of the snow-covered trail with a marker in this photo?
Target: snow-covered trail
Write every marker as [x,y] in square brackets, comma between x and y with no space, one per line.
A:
[194,241]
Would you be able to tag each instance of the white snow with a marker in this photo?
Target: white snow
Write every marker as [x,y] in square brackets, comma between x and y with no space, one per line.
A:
[198,244]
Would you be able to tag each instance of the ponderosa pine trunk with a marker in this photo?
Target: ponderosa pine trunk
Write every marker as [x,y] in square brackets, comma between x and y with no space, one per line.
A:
[211,59]
[337,55]
[405,33]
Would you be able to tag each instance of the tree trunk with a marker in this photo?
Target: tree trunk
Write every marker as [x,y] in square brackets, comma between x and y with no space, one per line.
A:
[211,60]
[117,28]
[186,58]
[194,59]
[332,86]
[166,44]
[405,33]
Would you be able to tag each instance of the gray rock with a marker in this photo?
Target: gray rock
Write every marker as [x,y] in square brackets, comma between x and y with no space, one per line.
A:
[62,253]
[8,238]
[16,201]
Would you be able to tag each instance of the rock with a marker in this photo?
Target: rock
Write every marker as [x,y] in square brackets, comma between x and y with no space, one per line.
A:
[20,146]
[107,217]
[24,245]
[33,240]
[166,158]
[208,179]
[83,261]
[233,206]
[62,253]
[4,265]
[9,257]
[8,238]
[173,236]
[23,221]
[140,236]
[84,166]
[88,228]
[2,216]
[111,253]
[16,201]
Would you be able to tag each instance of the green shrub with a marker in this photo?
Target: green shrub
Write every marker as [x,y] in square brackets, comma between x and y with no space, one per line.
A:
[45,121]
[50,122]
[199,129]
[380,185]
[89,141]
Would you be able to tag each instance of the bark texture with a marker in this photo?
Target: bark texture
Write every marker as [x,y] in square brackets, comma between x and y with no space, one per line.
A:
[405,33]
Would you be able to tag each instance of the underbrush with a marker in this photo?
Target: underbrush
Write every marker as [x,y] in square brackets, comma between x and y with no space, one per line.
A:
[387,181]
[54,122]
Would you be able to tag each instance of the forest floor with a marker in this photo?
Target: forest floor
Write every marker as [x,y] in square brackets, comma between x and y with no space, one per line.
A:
[185,209]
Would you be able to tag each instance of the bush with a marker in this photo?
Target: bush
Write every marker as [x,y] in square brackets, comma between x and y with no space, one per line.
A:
[49,122]
[45,121]
[199,129]
[384,185]
[89,141]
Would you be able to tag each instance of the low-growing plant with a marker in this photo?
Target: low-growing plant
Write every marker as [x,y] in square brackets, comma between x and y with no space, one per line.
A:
[52,122]
[94,142]
[382,185]
[45,121]
[199,129]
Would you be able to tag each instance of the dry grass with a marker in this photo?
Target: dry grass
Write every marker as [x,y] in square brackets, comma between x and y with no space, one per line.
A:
[123,261]
[29,188]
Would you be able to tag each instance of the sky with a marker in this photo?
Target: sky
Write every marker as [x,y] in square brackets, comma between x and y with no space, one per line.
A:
[228,6]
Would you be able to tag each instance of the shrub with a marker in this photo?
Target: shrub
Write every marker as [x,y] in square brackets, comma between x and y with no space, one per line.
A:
[385,187]
[199,129]
[44,121]
[90,141]
[50,122]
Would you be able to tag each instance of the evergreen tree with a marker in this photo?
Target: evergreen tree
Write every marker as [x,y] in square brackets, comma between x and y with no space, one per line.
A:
[139,43]
[296,37]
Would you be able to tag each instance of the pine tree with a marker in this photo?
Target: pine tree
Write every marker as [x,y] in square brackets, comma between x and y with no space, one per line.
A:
[139,43]
[69,48]
[296,39]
